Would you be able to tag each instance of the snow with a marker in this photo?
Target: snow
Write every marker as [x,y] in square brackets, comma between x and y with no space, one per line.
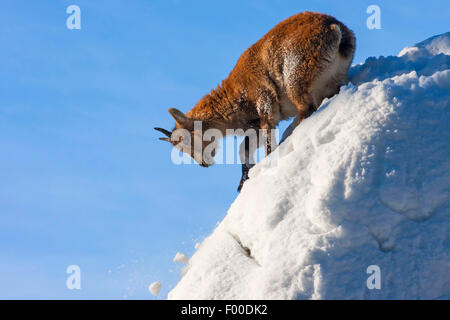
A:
[426,58]
[364,181]
[432,46]
[181,257]
[154,288]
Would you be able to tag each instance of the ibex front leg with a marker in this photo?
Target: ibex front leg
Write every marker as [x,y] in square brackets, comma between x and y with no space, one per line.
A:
[268,136]
[267,108]
[246,155]
[268,140]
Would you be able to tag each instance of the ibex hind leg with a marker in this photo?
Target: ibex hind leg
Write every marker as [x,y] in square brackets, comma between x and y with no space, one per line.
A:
[304,103]
[307,98]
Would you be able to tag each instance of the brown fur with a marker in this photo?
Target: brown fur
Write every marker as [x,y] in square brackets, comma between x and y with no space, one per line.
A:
[287,73]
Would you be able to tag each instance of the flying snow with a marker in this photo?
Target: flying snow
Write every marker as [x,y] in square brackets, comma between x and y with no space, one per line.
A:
[181,257]
[154,288]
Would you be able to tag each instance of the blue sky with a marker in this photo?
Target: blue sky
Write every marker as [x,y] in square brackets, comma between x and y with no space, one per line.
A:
[83,178]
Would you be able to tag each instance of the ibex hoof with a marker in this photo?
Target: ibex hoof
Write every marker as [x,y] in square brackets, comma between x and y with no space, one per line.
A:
[241,184]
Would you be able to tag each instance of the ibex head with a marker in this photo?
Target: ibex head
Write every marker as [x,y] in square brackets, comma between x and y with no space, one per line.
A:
[187,137]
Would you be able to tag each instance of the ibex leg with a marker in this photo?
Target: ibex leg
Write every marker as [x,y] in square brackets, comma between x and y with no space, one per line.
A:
[246,154]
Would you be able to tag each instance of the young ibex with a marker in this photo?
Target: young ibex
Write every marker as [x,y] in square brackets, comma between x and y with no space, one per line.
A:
[287,73]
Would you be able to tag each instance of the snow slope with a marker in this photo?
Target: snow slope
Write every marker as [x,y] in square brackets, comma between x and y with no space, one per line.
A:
[363,181]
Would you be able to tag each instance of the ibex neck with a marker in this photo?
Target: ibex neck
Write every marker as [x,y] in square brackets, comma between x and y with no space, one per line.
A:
[217,107]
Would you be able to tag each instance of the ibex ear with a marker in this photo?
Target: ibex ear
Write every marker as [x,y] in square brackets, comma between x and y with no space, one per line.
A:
[181,118]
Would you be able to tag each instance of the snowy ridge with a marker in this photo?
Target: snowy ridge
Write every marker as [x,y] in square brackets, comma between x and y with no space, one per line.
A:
[426,58]
[439,44]
[364,181]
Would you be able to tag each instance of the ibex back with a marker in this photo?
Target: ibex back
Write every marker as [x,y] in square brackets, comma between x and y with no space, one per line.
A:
[287,73]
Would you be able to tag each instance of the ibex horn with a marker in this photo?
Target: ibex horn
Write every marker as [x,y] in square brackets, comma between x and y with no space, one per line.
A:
[166,132]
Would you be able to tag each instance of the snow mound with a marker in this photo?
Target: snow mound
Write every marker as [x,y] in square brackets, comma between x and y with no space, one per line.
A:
[364,181]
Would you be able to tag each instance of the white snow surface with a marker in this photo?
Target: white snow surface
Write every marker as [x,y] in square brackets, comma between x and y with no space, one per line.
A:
[430,47]
[364,181]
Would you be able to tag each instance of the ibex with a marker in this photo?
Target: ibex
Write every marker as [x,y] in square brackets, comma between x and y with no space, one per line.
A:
[287,73]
